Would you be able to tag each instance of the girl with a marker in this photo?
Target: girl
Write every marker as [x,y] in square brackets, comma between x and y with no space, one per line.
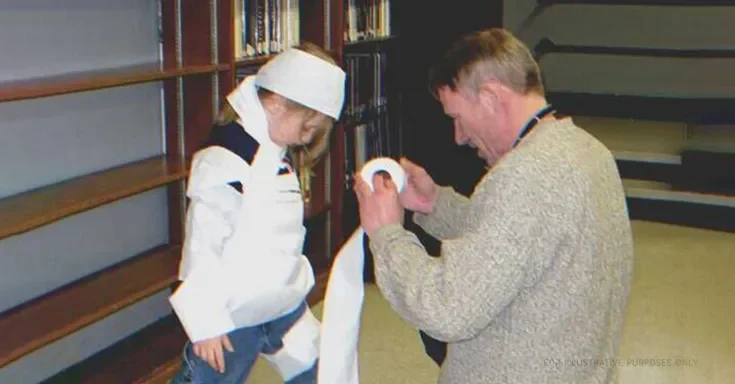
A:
[244,277]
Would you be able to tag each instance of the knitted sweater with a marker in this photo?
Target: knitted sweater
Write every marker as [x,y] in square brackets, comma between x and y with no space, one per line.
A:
[535,267]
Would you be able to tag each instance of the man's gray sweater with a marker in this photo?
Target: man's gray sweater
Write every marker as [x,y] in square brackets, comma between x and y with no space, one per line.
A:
[535,267]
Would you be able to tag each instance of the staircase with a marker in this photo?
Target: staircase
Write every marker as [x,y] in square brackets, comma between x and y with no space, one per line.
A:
[673,172]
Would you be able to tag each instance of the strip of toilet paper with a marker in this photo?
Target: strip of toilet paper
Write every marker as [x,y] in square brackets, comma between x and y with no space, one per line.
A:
[384,164]
[342,308]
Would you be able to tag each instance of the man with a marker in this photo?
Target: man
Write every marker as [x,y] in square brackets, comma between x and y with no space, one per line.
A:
[535,267]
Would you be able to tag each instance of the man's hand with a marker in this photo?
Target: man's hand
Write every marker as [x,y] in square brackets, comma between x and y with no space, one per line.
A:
[378,208]
[210,350]
[420,192]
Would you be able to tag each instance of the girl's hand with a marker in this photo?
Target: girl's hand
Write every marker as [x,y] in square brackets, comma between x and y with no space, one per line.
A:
[210,350]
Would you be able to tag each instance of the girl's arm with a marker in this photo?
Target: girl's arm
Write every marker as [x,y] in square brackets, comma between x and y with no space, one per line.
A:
[200,302]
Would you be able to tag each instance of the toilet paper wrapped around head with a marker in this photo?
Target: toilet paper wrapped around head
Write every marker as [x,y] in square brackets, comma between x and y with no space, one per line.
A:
[387,166]
[305,79]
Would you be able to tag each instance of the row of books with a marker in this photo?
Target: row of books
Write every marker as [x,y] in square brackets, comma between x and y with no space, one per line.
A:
[371,119]
[265,27]
[367,20]
[372,124]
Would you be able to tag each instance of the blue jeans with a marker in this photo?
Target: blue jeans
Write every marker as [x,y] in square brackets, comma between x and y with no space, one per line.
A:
[248,343]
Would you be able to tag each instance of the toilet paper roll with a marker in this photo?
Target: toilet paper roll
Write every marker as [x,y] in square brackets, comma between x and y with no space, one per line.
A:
[342,308]
[384,164]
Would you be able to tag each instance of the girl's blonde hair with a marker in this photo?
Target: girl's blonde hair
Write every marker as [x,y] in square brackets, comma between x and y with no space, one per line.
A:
[304,156]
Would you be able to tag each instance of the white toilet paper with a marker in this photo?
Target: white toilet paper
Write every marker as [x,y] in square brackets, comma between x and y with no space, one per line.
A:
[342,308]
[384,164]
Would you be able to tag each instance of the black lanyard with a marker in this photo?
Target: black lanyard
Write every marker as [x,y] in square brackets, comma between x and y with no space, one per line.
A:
[543,112]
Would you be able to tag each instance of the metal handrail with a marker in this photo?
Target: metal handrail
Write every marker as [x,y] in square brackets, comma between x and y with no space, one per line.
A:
[542,5]
[546,46]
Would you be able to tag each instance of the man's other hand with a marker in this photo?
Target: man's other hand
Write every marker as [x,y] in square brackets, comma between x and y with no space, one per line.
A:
[421,191]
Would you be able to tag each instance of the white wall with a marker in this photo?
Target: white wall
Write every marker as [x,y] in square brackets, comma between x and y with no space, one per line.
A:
[632,26]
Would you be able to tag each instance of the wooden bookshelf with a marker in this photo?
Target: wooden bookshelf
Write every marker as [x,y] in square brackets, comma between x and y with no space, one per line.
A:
[151,356]
[196,70]
[98,79]
[67,309]
[32,209]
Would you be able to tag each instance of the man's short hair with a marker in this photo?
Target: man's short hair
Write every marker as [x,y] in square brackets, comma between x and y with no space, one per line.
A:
[490,54]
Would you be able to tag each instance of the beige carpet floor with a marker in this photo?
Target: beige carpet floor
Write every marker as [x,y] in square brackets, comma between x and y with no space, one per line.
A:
[682,311]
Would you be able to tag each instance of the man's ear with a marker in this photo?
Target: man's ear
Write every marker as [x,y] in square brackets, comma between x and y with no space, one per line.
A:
[487,95]
[491,94]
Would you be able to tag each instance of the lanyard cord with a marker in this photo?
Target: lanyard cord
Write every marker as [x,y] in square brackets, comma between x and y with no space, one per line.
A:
[543,112]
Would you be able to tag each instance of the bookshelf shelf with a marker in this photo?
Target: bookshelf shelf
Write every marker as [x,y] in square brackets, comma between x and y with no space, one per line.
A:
[60,313]
[41,206]
[251,61]
[98,79]
[150,356]
[375,40]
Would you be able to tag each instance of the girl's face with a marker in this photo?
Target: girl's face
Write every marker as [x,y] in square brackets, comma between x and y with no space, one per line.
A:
[290,126]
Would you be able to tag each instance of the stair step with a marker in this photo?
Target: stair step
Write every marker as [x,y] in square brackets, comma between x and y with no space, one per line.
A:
[666,194]
[673,172]
[656,167]
[657,202]
[629,135]
[711,145]
[712,136]
[636,184]
[648,157]
[708,169]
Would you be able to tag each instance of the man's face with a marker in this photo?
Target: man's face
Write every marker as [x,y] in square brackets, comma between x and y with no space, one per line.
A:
[474,124]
